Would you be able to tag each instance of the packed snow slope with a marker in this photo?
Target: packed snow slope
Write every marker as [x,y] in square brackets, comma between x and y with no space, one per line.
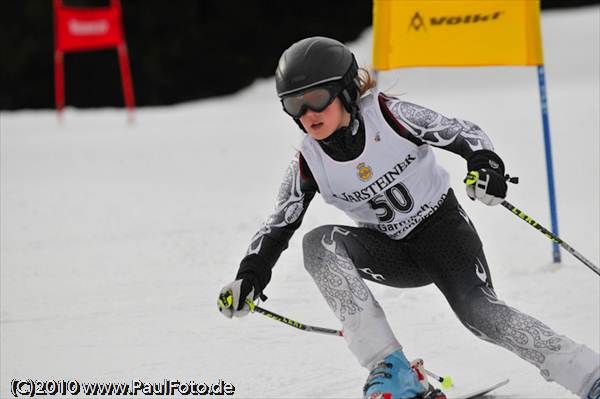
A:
[116,238]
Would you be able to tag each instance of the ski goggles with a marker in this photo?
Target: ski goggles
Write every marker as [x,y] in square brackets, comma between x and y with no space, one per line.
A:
[315,99]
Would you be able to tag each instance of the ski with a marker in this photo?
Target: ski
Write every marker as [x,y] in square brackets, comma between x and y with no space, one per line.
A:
[480,394]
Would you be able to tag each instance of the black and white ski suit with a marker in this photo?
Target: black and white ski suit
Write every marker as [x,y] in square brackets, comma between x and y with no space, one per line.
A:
[410,232]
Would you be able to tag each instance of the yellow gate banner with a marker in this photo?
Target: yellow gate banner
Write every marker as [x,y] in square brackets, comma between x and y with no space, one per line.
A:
[410,33]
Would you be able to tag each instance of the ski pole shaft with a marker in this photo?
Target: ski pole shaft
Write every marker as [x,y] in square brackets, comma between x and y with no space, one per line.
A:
[445,381]
[305,327]
[417,365]
[226,301]
[434,376]
[551,236]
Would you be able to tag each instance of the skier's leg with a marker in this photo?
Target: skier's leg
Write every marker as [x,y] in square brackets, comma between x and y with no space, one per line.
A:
[559,359]
[452,254]
[333,255]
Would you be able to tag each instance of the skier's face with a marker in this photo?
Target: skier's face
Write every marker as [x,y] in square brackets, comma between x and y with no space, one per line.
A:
[320,125]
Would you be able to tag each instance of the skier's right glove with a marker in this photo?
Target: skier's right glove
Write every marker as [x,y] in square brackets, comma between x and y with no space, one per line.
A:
[236,298]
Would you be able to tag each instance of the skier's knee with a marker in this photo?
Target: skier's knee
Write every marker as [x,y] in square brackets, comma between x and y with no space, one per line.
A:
[313,237]
[325,244]
[311,245]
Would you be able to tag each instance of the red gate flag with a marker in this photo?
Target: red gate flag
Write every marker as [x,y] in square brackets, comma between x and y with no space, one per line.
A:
[87,29]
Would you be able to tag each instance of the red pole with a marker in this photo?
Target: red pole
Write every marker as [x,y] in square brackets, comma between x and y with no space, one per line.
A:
[59,77]
[126,79]
[59,81]
[124,66]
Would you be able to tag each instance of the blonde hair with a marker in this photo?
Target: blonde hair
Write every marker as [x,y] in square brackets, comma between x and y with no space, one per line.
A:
[365,81]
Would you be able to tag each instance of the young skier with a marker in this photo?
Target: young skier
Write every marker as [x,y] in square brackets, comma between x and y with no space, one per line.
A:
[370,155]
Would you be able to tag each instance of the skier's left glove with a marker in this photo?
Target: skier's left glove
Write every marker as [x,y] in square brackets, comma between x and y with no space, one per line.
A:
[485,180]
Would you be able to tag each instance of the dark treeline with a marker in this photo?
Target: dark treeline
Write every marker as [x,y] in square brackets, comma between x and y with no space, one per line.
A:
[179,50]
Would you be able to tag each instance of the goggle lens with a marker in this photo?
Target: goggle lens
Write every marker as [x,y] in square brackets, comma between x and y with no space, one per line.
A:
[316,99]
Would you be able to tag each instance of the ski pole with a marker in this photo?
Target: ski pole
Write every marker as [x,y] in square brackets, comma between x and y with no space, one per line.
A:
[293,323]
[226,299]
[445,381]
[550,235]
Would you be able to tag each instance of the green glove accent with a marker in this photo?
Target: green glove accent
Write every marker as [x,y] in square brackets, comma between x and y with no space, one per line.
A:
[471,178]
[225,300]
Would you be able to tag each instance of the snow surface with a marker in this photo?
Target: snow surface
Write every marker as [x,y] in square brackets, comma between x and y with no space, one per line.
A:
[116,238]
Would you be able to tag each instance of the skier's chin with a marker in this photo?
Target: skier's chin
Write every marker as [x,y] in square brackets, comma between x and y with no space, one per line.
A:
[319,131]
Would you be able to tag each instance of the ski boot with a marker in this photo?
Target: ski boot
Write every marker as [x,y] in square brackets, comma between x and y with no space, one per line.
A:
[394,378]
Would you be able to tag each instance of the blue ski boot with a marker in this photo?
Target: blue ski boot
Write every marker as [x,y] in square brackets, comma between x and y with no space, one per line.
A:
[394,378]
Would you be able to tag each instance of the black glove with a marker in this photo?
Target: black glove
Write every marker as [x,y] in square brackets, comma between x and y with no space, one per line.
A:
[485,180]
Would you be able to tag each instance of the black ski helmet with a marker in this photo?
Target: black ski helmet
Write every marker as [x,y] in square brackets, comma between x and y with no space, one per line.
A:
[315,61]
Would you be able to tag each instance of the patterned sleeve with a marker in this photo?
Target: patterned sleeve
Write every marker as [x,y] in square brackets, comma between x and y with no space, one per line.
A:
[295,193]
[455,135]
